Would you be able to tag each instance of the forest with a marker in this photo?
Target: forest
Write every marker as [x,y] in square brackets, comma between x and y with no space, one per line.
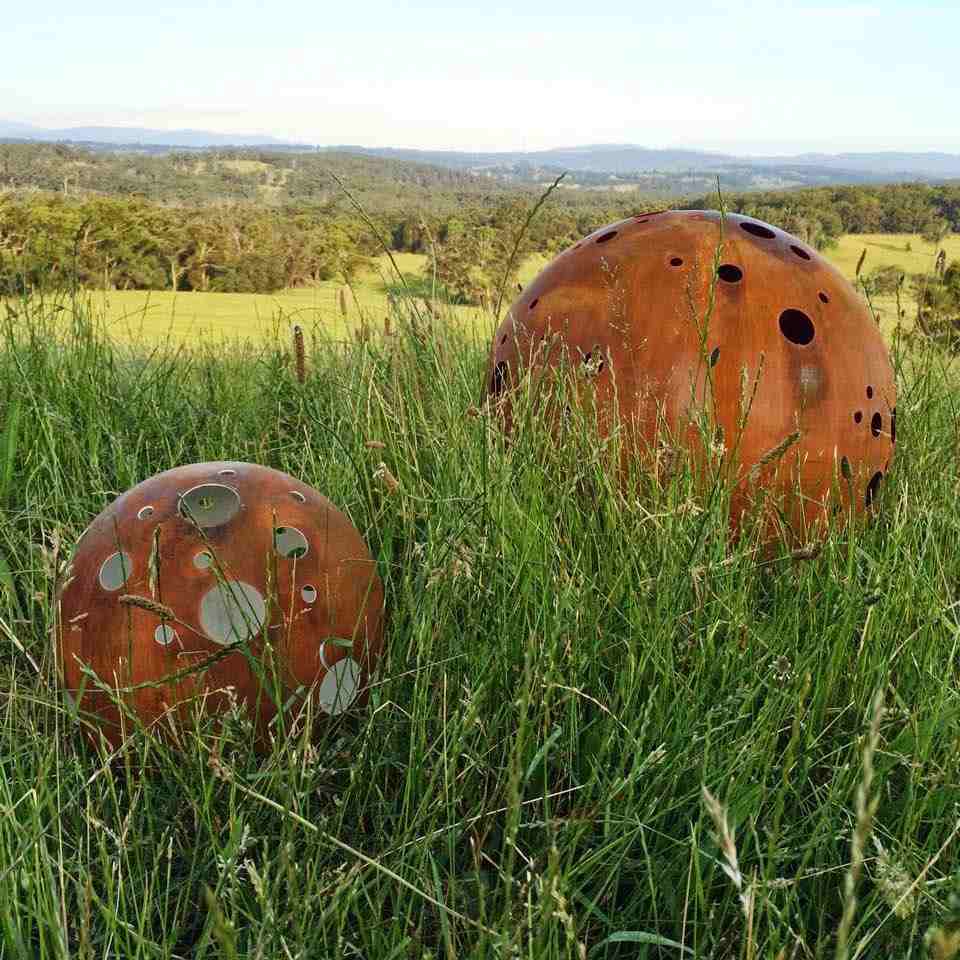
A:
[254,221]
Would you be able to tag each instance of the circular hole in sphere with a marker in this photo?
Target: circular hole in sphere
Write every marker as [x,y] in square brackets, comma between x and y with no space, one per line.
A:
[858,416]
[533,303]
[115,571]
[869,393]
[309,593]
[297,495]
[757,230]
[499,378]
[676,261]
[714,356]
[796,326]
[800,252]
[210,504]
[873,488]
[145,512]
[165,635]
[845,468]
[339,687]
[876,424]
[232,611]
[823,297]
[607,236]
[893,425]
[203,560]
[291,543]
[729,273]
[228,472]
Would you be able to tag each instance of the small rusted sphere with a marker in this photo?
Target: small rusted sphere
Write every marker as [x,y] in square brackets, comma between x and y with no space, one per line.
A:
[666,314]
[261,574]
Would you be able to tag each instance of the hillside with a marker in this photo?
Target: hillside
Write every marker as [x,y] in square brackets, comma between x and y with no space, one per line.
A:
[618,166]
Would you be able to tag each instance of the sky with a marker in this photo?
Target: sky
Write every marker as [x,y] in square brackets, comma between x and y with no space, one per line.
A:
[748,76]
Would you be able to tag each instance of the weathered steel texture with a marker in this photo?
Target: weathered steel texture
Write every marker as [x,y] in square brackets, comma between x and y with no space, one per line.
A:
[237,552]
[666,314]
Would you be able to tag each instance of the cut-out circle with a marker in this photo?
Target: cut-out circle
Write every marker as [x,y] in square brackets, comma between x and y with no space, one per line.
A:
[729,273]
[309,593]
[873,488]
[145,512]
[757,230]
[534,302]
[797,327]
[232,611]
[876,424]
[203,560]
[858,416]
[845,470]
[210,504]
[297,495]
[893,425]
[714,356]
[499,377]
[165,635]
[339,688]
[800,252]
[115,571]
[228,472]
[609,235]
[290,542]
[869,393]
[823,297]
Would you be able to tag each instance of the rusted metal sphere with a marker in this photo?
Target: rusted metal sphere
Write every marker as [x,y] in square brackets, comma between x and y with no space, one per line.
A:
[194,585]
[669,313]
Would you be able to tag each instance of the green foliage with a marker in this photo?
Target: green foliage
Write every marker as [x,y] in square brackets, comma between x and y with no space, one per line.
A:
[48,242]
[884,281]
[938,299]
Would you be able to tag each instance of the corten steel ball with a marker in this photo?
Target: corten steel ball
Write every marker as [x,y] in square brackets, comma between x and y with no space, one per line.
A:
[654,317]
[234,552]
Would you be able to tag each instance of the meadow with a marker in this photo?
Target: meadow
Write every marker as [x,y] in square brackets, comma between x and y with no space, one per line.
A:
[146,316]
[602,729]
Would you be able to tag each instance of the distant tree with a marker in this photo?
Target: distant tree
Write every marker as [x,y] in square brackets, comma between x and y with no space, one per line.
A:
[938,298]
[935,230]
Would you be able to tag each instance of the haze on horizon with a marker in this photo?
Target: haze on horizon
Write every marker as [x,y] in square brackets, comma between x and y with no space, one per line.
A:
[743,76]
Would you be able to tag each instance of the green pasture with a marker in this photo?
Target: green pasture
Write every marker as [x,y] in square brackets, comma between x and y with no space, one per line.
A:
[149,315]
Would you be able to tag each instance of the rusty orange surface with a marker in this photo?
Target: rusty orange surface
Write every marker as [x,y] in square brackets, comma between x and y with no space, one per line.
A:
[262,574]
[666,314]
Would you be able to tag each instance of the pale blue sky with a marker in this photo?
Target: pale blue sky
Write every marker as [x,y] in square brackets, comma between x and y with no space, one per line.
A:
[753,75]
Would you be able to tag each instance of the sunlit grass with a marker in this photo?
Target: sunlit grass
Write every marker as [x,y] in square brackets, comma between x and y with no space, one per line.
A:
[569,662]
[184,317]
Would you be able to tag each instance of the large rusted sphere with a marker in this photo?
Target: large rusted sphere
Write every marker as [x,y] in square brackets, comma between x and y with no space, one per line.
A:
[254,566]
[666,313]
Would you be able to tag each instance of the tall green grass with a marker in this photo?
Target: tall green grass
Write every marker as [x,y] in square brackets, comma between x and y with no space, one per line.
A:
[601,729]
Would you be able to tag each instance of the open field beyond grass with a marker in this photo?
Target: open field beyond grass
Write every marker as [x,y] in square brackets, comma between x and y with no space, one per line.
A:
[140,315]
[570,665]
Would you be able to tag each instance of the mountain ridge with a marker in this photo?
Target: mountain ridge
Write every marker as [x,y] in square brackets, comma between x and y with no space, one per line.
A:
[588,165]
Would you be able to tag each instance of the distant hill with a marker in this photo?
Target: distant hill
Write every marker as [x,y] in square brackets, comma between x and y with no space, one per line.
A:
[137,136]
[615,166]
[625,160]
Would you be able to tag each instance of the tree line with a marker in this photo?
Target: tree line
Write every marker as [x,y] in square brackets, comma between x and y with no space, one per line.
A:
[48,242]
[55,238]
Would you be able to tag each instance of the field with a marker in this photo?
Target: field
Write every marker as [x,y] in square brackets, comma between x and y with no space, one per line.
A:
[184,317]
[602,730]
